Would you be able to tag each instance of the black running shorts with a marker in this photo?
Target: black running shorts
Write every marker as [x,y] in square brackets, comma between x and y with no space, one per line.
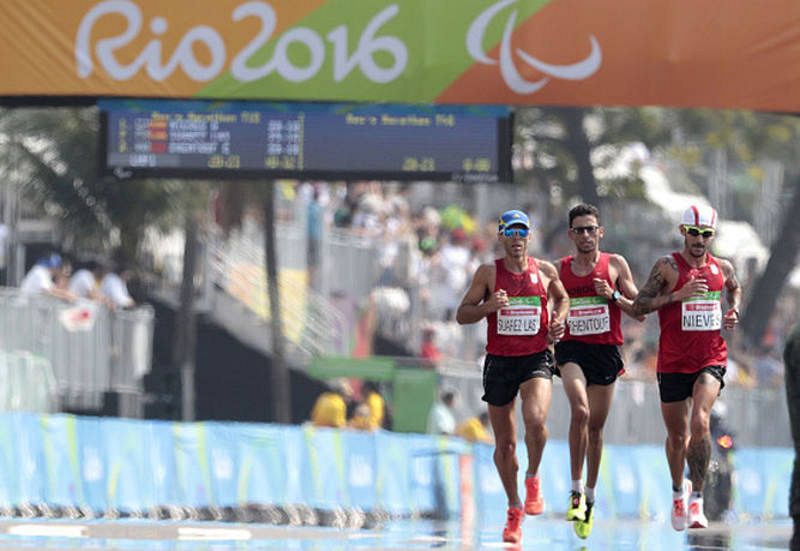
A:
[601,363]
[503,375]
[675,387]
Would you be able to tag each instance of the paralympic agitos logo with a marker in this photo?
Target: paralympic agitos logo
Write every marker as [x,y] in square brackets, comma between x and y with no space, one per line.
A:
[508,70]
[346,52]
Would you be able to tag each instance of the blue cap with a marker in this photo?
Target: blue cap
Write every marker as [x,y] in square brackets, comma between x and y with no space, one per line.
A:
[52,261]
[513,218]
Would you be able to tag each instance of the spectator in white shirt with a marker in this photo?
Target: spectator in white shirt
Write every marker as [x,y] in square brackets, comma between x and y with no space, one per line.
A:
[115,288]
[39,279]
[85,283]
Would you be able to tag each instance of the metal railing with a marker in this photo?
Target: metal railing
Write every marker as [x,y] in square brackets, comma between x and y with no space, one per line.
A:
[109,351]
[349,262]
[311,324]
[27,383]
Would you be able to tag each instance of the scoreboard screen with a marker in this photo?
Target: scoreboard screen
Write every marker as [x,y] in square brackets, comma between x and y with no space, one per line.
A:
[205,139]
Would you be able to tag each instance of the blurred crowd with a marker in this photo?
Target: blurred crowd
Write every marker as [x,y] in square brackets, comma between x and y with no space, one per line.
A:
[361,406]
[342,405]
[89,279]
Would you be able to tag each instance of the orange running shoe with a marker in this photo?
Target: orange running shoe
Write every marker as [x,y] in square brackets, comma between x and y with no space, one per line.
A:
[512,533]
[534,501]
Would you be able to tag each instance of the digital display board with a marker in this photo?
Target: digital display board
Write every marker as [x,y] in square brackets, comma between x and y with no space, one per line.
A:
[152,138]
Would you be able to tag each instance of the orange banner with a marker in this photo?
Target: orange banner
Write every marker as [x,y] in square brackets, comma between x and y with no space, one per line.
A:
[128,48]
[698,53]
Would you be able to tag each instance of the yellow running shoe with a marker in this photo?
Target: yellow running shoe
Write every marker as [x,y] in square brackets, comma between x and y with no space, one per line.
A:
[577,507]
[584,527]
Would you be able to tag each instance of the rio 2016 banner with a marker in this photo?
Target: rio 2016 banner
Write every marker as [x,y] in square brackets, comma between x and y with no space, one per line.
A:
[690,53]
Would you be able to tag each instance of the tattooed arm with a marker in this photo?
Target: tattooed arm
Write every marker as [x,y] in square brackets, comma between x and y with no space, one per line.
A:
[734,294]
[657,290]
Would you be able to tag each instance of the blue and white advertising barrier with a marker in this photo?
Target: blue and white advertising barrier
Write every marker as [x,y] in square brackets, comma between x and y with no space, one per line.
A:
[133,465]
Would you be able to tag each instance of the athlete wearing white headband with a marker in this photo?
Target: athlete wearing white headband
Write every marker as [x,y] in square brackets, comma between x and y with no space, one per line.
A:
[687,288]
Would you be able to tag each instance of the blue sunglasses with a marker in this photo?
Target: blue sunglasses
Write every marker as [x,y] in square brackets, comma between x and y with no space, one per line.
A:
[516,232]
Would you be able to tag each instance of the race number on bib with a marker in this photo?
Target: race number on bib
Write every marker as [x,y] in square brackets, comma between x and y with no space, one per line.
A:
[588,316]
[522,316]
[702,312]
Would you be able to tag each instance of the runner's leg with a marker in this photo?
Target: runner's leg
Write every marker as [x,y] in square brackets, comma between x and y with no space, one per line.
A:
[536,395]
[505,456]
[676,421]
[574,384]
[600,397]
[705,392]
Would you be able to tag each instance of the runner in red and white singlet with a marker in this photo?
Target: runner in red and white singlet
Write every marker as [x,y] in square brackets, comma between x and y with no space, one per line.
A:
[687,290]
[520,328]
[690,330]
[593,317]
[600,287]
[512,293]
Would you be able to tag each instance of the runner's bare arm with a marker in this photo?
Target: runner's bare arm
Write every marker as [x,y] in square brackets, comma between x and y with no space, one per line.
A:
[559,298]
[734,294]
[657,290]
[479,301]
[626,286]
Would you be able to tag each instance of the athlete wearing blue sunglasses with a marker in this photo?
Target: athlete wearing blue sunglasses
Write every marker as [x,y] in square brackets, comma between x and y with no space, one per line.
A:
[516,232]
[512,293]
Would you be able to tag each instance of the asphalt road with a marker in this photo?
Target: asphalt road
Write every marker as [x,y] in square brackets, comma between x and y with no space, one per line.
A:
[552,534]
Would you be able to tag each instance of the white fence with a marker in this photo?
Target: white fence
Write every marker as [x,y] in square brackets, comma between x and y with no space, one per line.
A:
[106,351]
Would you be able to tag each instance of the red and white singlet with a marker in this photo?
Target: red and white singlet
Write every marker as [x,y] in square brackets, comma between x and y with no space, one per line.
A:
[592,319]
[690,330]
[520,328]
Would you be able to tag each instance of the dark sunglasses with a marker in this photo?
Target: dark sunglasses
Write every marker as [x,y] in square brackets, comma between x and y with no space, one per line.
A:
[516,232]
[694,231]
[584,229]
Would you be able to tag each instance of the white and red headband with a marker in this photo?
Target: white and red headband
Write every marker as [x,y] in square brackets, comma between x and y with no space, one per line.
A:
[700,216]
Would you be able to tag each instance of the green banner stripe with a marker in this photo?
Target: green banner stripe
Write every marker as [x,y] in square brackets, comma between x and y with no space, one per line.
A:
[710,295]
[586,301]
[527,301]
[433,35]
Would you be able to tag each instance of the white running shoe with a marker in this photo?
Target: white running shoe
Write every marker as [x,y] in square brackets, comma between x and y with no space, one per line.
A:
[697,519]
[679,513]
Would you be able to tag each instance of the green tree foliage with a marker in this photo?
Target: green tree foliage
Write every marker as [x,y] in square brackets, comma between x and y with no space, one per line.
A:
[748,138]
[53,158]
[559,149]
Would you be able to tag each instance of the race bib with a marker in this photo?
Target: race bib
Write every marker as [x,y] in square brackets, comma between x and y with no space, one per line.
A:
[522,316]
[588,316]
[702,312]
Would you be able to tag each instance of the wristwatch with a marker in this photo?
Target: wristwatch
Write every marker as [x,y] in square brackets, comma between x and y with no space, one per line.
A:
[616,295]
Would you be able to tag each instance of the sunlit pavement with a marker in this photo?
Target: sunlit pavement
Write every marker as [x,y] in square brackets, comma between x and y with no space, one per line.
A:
[551,534]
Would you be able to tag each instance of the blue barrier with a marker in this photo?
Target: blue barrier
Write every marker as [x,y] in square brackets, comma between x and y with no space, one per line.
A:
[23,478]
[131,465]
[763,477]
